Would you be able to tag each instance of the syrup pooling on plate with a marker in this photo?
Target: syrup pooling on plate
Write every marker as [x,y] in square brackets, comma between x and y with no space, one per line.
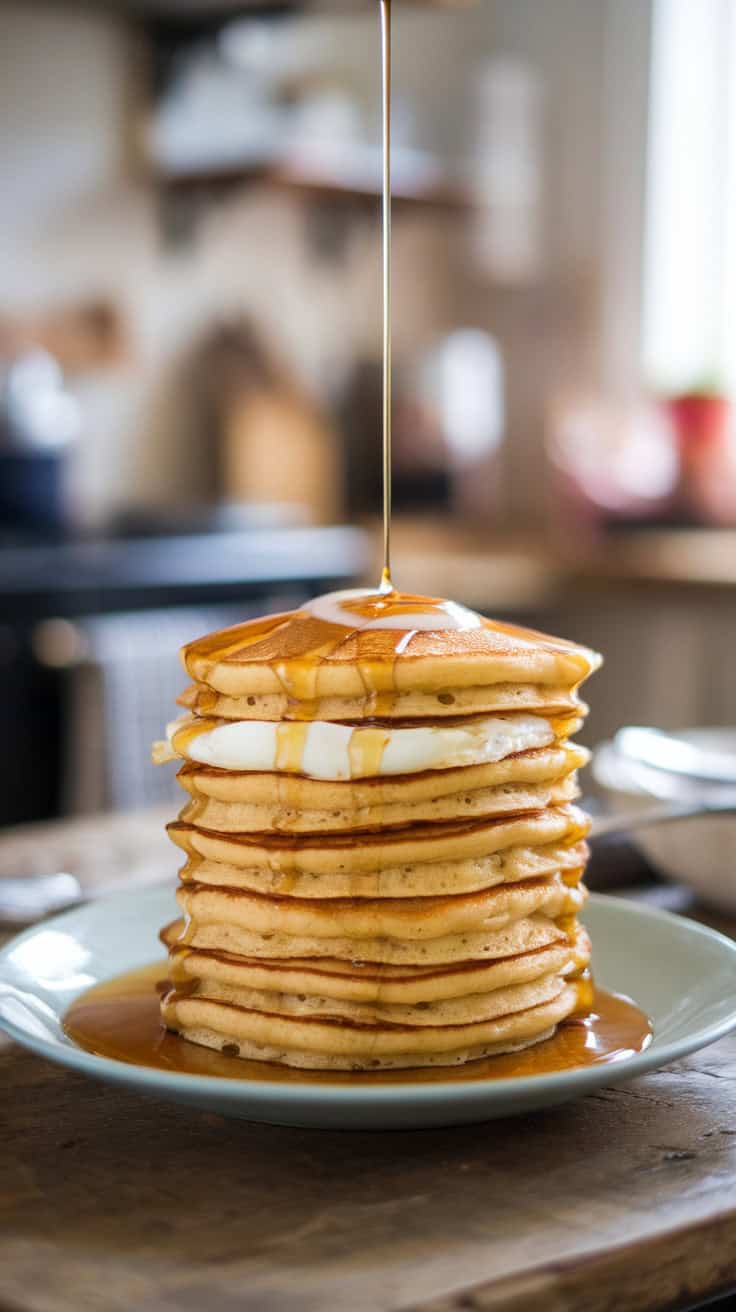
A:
[121,1019]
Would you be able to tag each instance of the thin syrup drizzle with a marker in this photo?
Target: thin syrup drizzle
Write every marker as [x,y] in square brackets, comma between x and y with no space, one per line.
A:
[386,584]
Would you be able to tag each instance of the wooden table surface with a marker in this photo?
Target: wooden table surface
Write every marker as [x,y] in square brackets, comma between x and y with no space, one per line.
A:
[624,1200]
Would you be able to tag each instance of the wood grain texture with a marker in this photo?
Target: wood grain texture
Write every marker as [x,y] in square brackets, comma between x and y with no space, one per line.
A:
[622,1202]
[625,1199]
[672,1270]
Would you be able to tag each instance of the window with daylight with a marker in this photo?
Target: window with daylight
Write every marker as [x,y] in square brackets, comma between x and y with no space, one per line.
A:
[689,309]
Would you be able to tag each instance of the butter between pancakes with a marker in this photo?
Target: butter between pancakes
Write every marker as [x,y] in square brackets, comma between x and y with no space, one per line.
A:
[383,854]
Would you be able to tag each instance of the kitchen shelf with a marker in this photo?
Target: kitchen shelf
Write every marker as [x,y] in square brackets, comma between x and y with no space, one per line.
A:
[82,578]
[316,186]
[443,557]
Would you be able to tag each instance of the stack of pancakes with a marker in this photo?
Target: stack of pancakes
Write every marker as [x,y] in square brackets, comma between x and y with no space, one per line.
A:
[384,860]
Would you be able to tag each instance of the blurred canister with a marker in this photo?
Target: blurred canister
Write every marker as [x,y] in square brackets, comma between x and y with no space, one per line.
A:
[276,445]
[459,382]
[506,171]
[38,420]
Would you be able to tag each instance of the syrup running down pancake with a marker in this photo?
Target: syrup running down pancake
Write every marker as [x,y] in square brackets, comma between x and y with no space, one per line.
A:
[383,857]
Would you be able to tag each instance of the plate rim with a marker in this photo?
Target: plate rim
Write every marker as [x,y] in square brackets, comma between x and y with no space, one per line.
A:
[151,1079]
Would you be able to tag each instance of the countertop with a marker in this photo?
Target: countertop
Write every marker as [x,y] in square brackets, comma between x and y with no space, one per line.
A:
[444,557]
[624,1200]
[438,555]
[96,575]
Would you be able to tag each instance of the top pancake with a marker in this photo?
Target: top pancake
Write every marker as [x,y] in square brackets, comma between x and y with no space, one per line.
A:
[377,648]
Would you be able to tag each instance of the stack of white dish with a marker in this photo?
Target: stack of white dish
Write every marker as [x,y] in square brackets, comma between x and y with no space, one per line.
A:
[698,852]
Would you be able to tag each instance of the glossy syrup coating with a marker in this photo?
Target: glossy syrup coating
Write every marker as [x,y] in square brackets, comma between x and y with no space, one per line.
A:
[121,1019]
[375,646]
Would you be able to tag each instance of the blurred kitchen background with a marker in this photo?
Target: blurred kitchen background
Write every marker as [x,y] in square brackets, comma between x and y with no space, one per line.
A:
[190,338]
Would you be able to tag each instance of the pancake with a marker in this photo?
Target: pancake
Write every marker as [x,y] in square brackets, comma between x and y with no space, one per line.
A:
[352,645]
[253,818]
[384,865]
[311,1042]
[296,791]
[236,1046]
[523,935]
[446,702]
[329,978]
[335,854]
[361,918]
[465,1010]
[402,881]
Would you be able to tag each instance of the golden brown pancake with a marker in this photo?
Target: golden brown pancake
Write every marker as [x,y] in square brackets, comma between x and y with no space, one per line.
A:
[447,702]
[517,936]
[313,1043]
[405,985]
[307,658]
[465,1010]
[297,791]
[418,844]
[398,881]
[360,920]
[254,818]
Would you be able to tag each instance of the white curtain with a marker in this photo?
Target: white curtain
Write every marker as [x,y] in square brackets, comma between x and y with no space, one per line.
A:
[689,310]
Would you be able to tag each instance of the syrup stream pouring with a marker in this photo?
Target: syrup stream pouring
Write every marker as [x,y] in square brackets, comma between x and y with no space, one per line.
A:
[386,584]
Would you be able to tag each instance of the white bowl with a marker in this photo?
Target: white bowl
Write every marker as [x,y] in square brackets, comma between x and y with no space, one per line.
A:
[700,853]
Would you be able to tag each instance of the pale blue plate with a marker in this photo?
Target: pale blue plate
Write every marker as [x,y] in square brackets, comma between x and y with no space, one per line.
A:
[681,974]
